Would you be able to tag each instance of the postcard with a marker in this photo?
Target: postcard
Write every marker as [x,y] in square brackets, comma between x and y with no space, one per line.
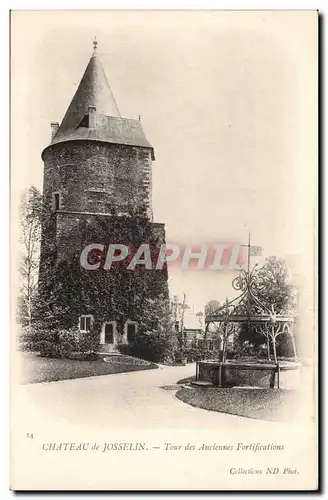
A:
[164,250]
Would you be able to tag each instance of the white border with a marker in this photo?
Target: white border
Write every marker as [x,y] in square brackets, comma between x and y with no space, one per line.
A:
[4,198]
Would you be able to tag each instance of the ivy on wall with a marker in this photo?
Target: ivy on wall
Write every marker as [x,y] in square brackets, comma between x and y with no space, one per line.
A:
[67,291]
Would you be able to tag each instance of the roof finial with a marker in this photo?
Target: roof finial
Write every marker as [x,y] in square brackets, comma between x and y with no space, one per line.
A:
[95,43]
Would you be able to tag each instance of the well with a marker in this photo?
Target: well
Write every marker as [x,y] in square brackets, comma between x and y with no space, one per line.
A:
[285,375]
[248,309]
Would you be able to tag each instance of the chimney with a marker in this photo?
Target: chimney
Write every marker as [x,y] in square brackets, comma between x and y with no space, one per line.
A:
[92,116]
[54,128]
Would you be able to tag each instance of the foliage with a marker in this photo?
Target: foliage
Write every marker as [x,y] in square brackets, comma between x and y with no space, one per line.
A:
[274,286]
[197,353]
[212,307]
[60,344]
[253,347]
[250,333]
[31,212]
[147,347]
[48,344]
[25,339]
[156,340]
[67,290]
[88,342]
[193,353]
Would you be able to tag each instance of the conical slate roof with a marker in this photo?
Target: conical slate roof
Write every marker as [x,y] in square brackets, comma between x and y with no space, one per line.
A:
[93,90]
[107,125]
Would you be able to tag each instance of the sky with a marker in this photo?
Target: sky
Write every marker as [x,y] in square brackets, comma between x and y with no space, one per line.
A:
[226,98]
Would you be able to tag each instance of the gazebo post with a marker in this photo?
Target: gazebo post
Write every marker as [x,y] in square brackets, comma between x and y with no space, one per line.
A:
[268,348]
[294,345]
[291,333]
[274,348]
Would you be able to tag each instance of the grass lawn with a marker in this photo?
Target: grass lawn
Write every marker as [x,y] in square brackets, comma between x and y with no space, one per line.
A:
[35,369]
[264,404]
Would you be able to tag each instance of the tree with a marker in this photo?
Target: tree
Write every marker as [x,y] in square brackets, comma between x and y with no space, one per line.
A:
[273,288]
[30,238]
[212,307]
[158,325]
[156,340]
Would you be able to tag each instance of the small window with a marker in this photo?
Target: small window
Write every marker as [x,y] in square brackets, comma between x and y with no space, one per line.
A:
[84,122]
[86,323]
[176,326]
[55,201]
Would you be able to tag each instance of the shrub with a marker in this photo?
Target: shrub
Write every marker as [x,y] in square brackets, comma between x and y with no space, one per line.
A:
[196,353]
[69,339]
[25,340]
[61,344]
[78,345]
[27,346]
[55,344]
[151,346]
[156,340]
[88,342]
[126,349]
[66,349]
[49,349]
[193,353]
[245,348]
[43,340]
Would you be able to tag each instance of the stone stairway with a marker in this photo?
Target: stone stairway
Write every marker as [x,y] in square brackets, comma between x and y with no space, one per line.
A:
[108,349]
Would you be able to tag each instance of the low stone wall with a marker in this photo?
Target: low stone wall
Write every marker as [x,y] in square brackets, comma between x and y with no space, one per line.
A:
[250,374]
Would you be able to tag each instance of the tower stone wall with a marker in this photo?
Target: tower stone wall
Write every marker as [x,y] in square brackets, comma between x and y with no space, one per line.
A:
[98,177]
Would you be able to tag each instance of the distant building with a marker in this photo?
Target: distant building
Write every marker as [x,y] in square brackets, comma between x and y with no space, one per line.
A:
[193,327]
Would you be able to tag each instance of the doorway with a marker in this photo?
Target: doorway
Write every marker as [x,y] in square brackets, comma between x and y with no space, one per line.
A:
[130,331]
[108,333]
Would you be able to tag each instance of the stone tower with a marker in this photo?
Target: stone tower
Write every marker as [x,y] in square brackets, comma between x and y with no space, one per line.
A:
[97,190]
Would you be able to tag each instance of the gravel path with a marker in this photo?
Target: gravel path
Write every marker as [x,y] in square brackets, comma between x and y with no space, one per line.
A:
[144,399]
